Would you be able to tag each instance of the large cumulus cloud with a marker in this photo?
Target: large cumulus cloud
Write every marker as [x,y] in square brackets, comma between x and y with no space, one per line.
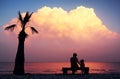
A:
[61,33]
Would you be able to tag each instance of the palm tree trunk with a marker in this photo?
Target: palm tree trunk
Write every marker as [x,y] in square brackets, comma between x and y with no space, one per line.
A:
[19,61]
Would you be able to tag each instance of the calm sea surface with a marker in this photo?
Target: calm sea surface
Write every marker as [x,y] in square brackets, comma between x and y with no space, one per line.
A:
[55,67]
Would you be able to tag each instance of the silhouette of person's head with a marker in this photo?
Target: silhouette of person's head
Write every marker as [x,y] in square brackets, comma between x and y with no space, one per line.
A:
[82,60]
[74,54]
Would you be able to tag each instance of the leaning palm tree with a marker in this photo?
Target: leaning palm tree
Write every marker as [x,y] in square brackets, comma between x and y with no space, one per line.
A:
[19,60]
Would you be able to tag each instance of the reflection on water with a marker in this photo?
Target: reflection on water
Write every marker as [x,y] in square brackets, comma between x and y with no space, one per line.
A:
[100,67]
[55,67]
[46,68]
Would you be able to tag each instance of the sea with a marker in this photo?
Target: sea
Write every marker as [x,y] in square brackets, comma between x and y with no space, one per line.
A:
[56,67]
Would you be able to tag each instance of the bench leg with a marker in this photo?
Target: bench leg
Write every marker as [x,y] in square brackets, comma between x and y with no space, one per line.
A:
[86,70]
[64,71]
[73,71]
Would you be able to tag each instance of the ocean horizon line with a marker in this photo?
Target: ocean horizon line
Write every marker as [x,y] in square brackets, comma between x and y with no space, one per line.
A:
[58,61]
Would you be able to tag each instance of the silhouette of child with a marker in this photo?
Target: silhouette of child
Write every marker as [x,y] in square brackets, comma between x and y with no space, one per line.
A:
[82,65]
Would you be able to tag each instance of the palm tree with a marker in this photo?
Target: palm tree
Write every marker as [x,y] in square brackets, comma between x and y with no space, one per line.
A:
[19,60]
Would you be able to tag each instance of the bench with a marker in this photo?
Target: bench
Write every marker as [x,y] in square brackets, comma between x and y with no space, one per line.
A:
[85,70]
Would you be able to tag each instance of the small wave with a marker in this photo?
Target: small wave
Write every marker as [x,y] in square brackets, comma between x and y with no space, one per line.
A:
[98,69]
[48,71]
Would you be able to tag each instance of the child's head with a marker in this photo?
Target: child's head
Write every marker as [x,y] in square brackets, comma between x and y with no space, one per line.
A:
[82,60]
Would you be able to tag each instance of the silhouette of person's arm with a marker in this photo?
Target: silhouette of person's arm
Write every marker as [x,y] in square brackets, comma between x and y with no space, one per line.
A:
[77,61]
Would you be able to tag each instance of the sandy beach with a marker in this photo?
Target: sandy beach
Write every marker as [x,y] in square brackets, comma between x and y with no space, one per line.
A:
[60,76]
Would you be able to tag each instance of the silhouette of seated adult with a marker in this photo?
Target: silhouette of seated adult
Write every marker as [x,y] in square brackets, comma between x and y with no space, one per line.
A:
[74,63]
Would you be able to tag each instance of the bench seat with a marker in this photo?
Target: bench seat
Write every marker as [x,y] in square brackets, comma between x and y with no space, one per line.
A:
[85,70]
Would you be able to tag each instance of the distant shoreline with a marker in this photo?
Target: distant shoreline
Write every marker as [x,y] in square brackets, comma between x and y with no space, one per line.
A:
[61,76]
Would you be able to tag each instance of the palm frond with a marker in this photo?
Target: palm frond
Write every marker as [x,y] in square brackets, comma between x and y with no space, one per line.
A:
[11,27]
[33,30]
[27,17]
[20,17]
[30,15]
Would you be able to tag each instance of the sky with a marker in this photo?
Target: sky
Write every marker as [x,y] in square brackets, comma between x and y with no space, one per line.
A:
[88,27]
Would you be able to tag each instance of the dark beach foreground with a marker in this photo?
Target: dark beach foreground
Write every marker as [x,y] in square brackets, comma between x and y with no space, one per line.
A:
[60,76]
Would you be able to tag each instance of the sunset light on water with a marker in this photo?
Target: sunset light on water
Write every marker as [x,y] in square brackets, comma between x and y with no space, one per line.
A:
[56,68]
